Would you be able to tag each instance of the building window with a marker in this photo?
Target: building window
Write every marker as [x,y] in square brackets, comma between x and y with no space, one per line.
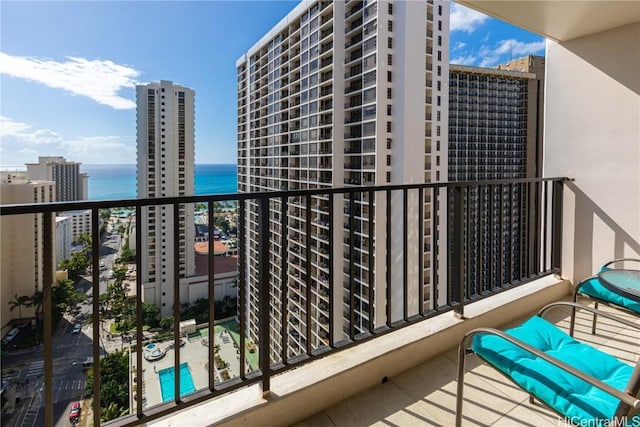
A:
[388,110]
[389,77]
[439,40]
[388,93]
[438,145]
[438,100]
[438,130]
[388,143]
[388,126]
[438,114]
[440,10]
[390,26]
[439,25]
[437,160]
[390,43]
[388,176]
[389,59]
[439,55]
[439,71]
[388,159]
[390,8]
[437,175]
[439,85]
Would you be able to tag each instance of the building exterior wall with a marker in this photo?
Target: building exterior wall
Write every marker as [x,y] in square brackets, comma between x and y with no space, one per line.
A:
[165,168]
[327,98]
[492,135]
[80,223]
[592,122]
[64,238]
[22,244]
[70,183]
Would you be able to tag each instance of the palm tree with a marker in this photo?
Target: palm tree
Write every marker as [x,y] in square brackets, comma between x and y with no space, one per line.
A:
[19,301]
[36,300]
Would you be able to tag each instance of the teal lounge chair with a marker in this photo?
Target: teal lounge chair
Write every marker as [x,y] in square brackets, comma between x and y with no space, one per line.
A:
[582,384]
[593,289]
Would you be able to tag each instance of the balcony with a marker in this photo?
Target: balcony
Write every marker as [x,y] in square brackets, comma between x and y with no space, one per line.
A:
[539,259]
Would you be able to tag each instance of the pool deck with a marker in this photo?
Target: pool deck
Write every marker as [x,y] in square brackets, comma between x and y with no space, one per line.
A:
[195,353]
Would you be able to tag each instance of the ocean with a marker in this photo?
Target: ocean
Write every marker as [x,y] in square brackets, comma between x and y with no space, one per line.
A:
[115,182]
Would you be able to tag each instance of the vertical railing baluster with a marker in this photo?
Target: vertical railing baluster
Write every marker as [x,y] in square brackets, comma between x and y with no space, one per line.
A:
[212,295]
[95,321]
[139,335]
[545,230]
[510,240]
[556,218]
[307,256]
[434,248]
[352,297]
[457,256]
[420,251]
[284,279]
[370,262]
[502,240]
[176,299]
[388,284]
[480,242]
[405,256]
[242,288]
[47,306]
[265,343]
[331,284]
[492,239]
[468,233]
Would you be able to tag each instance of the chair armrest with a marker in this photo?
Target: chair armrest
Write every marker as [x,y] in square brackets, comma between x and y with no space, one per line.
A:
[557,304]
[621,395]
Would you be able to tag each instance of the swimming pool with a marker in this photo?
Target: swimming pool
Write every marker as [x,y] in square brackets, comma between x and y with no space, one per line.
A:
[167,382]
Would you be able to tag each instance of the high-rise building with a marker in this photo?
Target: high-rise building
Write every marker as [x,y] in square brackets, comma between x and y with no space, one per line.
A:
[340,94]
[64,238]
[165,168]
[22,243]
[494,133]
[70,183]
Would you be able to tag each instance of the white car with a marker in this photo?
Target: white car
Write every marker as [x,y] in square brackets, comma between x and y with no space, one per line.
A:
[110,274]
[10,335]
[76,328]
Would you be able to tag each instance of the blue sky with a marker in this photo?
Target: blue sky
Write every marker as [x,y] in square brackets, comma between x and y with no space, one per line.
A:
[68,69]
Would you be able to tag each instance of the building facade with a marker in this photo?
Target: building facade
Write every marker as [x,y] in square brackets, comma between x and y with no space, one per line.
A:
[71,184]
[22,243]
[63,238]
[494,133]
[165,168]
[339,94]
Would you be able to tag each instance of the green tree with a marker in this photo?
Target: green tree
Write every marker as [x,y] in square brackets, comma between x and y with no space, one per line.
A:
[150,314]
[75,265]
[166,323]
[19,301]
[105,214]
[114,384]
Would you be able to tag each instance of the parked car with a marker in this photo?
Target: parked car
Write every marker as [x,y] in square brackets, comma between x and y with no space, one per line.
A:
[76,328]
[10,335]
[74,413]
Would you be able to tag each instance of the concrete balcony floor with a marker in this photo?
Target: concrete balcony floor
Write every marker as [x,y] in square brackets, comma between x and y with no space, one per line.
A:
[426,395]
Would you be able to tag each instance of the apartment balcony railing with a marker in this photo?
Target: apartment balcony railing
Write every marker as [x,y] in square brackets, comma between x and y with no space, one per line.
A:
[534,205]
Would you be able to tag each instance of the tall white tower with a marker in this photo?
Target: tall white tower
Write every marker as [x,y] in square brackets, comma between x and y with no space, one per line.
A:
[341,94]
[165,168]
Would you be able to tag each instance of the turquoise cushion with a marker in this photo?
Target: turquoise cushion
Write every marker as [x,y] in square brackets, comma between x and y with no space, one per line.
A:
[568,395]
[595,289]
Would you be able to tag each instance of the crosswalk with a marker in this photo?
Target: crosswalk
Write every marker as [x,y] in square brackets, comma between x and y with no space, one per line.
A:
[36,369]
[59,385]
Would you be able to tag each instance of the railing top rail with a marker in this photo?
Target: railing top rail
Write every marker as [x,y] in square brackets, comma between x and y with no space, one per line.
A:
[31,208]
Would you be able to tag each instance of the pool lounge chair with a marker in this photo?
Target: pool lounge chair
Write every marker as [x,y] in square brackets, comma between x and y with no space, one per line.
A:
[582,384]
[592,288]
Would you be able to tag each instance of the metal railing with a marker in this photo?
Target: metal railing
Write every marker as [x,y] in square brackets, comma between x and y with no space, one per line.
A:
[395,267]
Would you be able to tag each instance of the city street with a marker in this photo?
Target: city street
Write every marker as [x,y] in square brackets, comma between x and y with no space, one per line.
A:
[26,367]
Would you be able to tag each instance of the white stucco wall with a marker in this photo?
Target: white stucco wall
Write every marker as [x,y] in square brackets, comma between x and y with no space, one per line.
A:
[592,134]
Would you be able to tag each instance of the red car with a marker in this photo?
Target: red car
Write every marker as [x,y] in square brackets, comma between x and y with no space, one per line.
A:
[74,414]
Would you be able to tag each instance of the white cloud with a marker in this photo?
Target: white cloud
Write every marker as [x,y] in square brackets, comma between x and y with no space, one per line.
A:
[22,143]
[100,80]
[508,49]
[464,19]
[459,45]
[464,60]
